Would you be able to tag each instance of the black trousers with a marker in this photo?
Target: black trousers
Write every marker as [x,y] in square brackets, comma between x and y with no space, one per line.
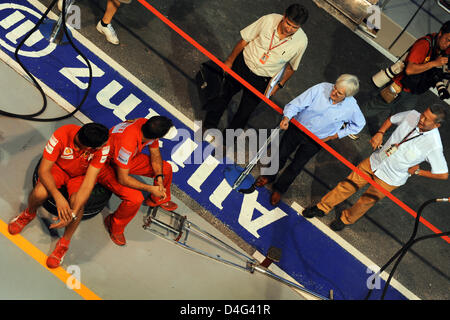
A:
[249,101]
[306,147]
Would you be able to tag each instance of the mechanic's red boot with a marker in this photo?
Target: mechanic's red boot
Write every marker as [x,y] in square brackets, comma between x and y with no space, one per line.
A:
[117,238]
[168,206]
[57,256]
[19,222]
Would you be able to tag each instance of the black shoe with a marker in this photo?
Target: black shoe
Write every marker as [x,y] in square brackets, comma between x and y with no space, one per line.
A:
[337,225]
[312,212]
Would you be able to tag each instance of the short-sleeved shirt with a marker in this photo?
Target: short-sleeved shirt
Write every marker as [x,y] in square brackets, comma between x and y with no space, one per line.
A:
[61,149]
[427,146]
[259,35]
[126,142]
[420,53]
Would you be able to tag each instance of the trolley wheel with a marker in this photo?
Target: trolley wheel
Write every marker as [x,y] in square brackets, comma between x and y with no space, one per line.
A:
[97,201]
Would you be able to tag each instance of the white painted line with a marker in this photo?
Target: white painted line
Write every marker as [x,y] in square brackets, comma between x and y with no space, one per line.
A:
[47,90]
[189,123]
[258,256]
[125,73]
[354,252]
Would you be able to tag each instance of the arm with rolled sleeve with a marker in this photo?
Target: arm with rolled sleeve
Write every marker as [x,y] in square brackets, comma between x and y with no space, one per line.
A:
[401,116]
[439,168]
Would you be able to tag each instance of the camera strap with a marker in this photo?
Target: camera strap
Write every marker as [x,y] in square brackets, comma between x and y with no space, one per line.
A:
[431,42]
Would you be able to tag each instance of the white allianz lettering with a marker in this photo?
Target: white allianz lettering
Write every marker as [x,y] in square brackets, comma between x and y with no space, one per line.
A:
[220,194]
[18,25]
[184,152]
[11,20]
[73,74]
[124,108]
[151,113]
[22,30]
[249,205]
[202,173]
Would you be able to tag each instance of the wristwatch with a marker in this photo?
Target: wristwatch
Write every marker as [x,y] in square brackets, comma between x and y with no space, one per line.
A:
[159,175]
[280,85]
[417,171]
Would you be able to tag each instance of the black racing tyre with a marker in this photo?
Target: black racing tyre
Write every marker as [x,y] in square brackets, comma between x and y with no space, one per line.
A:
[98,199]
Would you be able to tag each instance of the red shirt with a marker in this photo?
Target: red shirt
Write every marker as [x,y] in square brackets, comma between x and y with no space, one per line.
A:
[61,149]
[126,142]
[418,55]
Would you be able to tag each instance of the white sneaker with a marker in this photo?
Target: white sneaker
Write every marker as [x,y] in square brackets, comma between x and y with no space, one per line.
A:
[60,3]
[109,33]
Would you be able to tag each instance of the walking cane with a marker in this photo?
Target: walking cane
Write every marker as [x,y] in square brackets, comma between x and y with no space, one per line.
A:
[244,178]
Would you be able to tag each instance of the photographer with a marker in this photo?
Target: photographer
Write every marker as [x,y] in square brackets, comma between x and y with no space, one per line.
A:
[425,67]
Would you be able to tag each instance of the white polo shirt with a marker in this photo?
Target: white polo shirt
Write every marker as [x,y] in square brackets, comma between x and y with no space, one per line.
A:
[259,35]
[427,146]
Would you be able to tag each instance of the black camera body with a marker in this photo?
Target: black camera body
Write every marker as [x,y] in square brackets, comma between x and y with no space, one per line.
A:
[442,77]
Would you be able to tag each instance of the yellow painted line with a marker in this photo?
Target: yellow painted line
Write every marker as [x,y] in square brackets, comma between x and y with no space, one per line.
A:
[41,258]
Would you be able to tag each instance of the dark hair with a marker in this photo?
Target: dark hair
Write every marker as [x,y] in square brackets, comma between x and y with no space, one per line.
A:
[297,14]
[93,135]
[445,27]
[439,111]
[156,127]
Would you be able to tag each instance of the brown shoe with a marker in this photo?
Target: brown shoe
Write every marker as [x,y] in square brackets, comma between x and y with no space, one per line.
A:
[261,181]
[117,238]
[275,198]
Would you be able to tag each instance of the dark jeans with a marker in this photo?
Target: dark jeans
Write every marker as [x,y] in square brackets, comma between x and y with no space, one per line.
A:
[306,147]
[249,101]
[377,110]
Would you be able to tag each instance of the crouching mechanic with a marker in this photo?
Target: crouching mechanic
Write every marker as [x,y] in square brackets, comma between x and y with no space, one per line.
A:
[127,140]
[72,157]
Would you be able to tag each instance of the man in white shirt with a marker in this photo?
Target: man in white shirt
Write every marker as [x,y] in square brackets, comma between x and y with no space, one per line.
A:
[415,140]
[267,45]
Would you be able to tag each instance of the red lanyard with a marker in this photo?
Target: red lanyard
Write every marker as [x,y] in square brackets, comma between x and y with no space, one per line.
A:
[405,139]
[270,46]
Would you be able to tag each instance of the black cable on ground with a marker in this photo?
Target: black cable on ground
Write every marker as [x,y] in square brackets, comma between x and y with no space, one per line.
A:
[32,117]
[402,251]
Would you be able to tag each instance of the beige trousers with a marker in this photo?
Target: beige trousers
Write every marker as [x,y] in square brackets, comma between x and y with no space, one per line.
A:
[348,187]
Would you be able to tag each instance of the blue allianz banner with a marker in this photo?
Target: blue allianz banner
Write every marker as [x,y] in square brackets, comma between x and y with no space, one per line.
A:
[308,255]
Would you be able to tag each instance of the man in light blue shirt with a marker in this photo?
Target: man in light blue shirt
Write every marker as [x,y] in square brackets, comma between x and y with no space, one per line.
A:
[323,109]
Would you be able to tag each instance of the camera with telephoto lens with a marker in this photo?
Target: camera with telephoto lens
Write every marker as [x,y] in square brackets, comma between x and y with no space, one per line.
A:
[386,75]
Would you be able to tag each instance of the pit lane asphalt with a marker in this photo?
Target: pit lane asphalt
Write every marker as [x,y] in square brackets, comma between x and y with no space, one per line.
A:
[166,63]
